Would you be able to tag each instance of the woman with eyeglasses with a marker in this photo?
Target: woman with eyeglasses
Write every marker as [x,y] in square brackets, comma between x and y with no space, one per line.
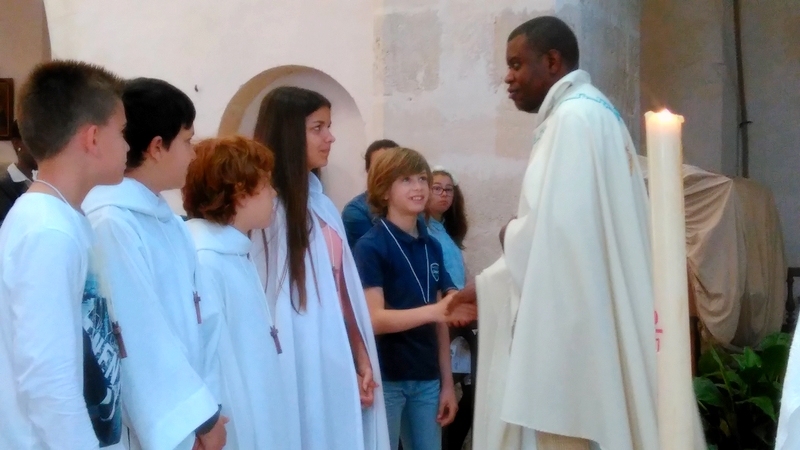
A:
[448,222]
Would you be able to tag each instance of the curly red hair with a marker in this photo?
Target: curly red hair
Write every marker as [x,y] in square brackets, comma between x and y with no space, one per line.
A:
[224,171]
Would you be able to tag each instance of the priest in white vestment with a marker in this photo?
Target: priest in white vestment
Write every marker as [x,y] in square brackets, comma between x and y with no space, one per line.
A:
[567,355]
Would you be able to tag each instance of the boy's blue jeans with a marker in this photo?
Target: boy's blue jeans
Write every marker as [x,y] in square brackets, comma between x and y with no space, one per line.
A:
[411,409]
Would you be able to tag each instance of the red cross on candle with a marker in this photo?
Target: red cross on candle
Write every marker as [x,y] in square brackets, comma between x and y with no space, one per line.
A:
[658,332]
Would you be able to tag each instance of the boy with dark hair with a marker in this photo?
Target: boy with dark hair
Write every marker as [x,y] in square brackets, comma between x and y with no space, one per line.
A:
[169,382]
[58,353]
[356,215]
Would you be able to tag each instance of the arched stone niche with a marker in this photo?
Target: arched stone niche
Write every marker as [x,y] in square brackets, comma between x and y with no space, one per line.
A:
[344,176]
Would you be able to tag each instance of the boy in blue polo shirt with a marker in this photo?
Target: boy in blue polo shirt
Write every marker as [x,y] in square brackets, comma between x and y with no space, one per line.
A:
[404,280]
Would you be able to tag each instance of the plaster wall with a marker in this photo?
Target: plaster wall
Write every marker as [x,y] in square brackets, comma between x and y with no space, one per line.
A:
[440,70]
[426,74]
[210,49]
[771,48]
[24,42]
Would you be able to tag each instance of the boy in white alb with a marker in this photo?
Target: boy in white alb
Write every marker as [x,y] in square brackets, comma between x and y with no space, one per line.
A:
[228,194]
[59,359]
[168,380]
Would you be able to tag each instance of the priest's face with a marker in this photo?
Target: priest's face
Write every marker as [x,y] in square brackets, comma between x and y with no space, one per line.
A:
[409,194]
[530,74]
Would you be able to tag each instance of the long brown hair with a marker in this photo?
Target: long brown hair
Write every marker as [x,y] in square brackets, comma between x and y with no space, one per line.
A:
[281,126]
[455,218]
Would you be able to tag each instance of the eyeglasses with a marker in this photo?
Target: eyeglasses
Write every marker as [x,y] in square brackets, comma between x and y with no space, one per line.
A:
[438,190]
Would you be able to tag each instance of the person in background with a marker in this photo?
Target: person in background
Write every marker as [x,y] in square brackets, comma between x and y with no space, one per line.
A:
[356,215]
[448,222]
[18,176]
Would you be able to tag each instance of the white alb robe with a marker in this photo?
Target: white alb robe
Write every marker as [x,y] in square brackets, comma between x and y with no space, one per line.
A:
[567,316]
[253,388]
[331,417]
[169,382]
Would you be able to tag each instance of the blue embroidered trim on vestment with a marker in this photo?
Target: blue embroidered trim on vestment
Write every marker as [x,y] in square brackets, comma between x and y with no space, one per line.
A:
[601,101]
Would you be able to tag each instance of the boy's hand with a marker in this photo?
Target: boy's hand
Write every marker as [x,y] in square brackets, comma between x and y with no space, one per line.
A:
[448,406]
[214,439]
[441,309]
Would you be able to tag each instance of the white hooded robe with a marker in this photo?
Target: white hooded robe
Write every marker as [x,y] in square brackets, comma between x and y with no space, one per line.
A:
[168,380]
[254,388]
[331,417]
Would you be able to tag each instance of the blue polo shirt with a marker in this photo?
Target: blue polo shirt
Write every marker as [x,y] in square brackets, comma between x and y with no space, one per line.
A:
[412,354]
[357,219]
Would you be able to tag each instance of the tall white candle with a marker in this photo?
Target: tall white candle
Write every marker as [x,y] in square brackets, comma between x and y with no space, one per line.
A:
[676,400]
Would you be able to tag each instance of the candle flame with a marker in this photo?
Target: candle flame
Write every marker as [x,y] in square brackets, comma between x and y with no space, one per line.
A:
[665,116]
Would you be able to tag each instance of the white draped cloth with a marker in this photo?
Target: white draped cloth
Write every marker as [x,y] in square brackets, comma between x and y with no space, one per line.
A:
[567,341]
[331,416]
[735,254]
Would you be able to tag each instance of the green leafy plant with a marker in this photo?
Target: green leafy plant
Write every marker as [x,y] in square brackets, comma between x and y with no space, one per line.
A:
[739,393]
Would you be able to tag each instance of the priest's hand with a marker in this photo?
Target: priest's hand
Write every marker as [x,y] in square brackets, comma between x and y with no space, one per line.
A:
[448,406]
[366,382]
[215,439]
[468,295]
[463,314]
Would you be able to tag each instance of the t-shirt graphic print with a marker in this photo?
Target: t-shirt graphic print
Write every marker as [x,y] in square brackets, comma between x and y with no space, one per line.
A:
[101,360]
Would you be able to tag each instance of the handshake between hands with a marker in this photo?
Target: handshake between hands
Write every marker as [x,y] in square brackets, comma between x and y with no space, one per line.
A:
[460,308]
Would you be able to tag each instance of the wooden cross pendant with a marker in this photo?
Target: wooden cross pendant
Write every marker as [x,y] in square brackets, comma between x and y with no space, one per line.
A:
[274,333]
[117,332]
[197,307]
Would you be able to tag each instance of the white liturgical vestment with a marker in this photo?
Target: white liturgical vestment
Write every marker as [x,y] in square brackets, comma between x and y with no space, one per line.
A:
[567,338]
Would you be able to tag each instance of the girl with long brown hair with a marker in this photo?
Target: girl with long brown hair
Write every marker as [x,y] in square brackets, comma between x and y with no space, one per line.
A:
[312,284]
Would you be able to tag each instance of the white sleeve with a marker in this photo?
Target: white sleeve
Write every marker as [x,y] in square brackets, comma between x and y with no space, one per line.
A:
[211,307]
[46,282]
[164,398]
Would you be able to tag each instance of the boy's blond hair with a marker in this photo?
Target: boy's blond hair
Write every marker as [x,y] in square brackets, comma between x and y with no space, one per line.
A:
[394,163]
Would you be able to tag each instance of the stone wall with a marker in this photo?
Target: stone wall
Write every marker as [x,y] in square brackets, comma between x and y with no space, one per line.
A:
[688,65]
[426,74]
[771,48]
[440,77]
